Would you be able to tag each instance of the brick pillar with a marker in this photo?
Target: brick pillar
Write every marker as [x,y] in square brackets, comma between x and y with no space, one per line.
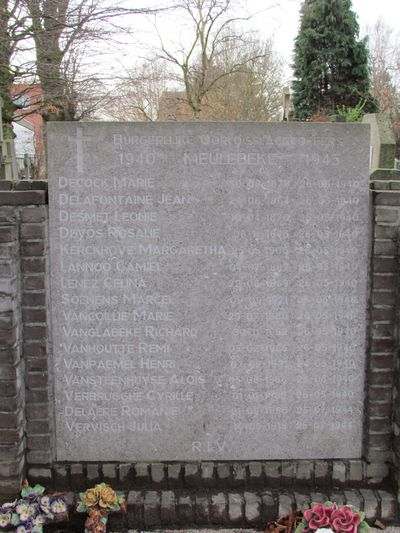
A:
[25,387]
[388,226]
[383,403]
[34,267]
[12,442]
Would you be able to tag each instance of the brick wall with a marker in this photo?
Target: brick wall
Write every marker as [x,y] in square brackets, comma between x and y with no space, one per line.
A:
[383,331]
[26,424]
[12,442]
[25,420]
[384,368]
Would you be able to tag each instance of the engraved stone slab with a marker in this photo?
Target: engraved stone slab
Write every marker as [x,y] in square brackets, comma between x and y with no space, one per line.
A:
[208,290]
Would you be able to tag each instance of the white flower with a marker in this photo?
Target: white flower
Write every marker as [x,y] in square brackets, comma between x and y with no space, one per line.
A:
[5,519]
[38,520]
[24,511]
[22,508]
[45,504]
[323,530]
[58,506]
[9,504]
[33,509]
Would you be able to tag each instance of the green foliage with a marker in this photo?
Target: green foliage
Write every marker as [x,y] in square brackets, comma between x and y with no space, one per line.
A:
[331,64]
[15,519]
[81,508]
[28,491]
[364,527]
[352,114]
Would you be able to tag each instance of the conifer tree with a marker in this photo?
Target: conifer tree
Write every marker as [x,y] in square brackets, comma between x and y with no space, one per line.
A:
[330,64]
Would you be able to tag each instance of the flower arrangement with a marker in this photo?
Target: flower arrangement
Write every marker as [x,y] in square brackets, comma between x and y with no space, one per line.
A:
[327,517]
[32,510]
[98,502]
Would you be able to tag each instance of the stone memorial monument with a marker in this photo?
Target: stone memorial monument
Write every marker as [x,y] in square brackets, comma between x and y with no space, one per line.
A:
[208,289]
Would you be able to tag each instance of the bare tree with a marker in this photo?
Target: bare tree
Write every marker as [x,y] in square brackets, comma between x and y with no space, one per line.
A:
[252,93]
[14,27]
[212,27]
[59,29]
[86,89]
[138,95]
[384,64]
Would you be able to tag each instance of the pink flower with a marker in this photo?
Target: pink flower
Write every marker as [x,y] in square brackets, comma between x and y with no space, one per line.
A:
[319,516]
[345,520]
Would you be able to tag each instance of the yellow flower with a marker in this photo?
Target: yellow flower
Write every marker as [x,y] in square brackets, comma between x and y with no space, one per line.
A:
[91,497]
[108,497]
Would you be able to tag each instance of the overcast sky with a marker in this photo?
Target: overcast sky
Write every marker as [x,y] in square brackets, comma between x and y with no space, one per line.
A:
[281,21]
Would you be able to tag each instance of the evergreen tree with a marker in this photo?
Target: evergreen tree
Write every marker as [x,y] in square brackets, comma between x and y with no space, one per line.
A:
[331,64]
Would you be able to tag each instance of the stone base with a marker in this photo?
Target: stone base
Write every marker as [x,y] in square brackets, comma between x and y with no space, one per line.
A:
[179,509]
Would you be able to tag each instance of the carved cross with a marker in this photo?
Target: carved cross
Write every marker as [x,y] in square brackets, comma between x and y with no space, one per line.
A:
[79,146]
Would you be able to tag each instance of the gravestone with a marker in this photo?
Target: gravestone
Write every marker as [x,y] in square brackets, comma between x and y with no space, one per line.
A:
[208,290]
